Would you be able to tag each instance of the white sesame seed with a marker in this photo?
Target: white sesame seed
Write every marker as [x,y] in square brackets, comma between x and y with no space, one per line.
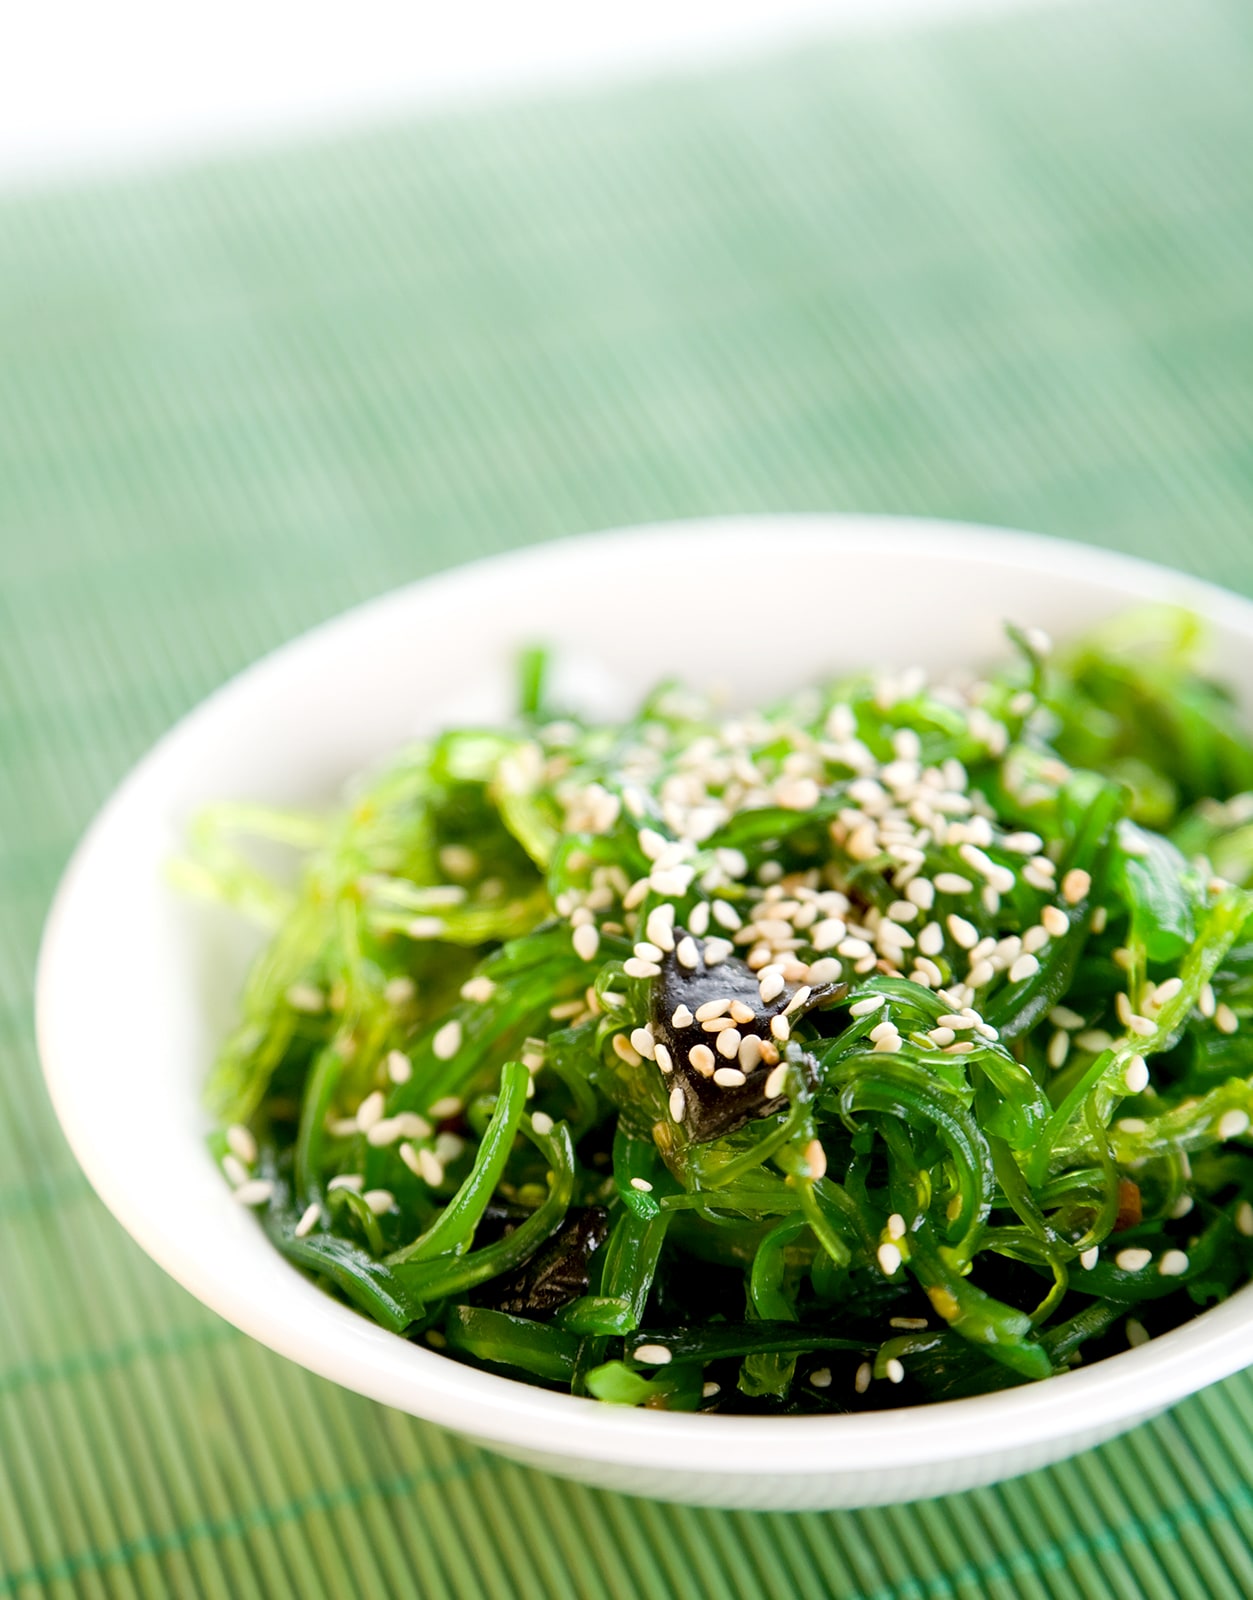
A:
[241,1143]
[725,915]
[642,1184]
[728,1042]
[698,920]
[542,1123]
[306,997]
[931,939]
[1093,1040]
[1055,921]
[1206,1003]
[448,1106]
[1232,1124]
[1035,939]
[686,953]
[716,951]
[740,1013]
[308,1220]
[889,1044]
[894,1371]
[236,1172]
[749,1054]
[678,1104]
[717,1025]
[1173,1264]
[379,1201]
[447,1041]
[1137,1334]
[660,927]
[701,1058]
[1182,1206]
[780,1028]
[1064,1017]
[1244,1219]
[771,985]
[889,1258]
[863,1008]
[1022,844]
[371,1110]
[862,1380]
[896,1226]
[681,1017]
[820,1377]
[797,1000]
[728,1077]
[635,968]
[347,1180]
[712,1009]
[941,1036]
[776,1081]
[1090,1257]
[882,1030]
[448,1146]
[964,933]
[1076,885]
[1225,1019]
[709,1389]
[662,1056]
[816,1159]
[1059,1049]
[653,1355]
[430,1168]
[981,974]
[1133,1260]
[1132,1125]
[676,880]
[1136,1077]
[855,949]
[384,1132]
[256,1192]
[399,991]
[647,952]
[643,1043]
[952,883]
[586,941]
[1025,967]
[826,934]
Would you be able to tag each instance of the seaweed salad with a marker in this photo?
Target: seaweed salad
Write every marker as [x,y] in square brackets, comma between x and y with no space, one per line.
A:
[881,1045]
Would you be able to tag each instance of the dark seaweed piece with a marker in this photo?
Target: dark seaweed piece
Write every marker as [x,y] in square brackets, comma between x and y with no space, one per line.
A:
[555,1274]
[712,1110]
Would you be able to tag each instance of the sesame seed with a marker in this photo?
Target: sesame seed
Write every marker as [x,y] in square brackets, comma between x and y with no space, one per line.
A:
[894,1371]
[686,953]
[1059,1049]
[1094,1040]
[1232,1124]
[1090,1257]
[306,997]
[1055,921]
[964,933]
[896,1226]
[780,1029]
[1133,1260]
[542,1123]
[347,1180]
[820,1377]
[1225,1019]
[1244,1219]
[678,1104]
[681,1017]
[740,1013]
[941,1036]
[728,1077]
[643,1043]
[776,1081]
[826,934]
[635,968]
[642,1184]
[855,949]
[1035,939]
[308,1220]
[717,1025]
[1173,1264]
[662,1056]
[889,1258]
[399,991]
[647,952]
[716,951]
[952,883]
[698,920]
[1182,1206]
[379,1201]
[447,1041]
[728,1042]
[1064,1017]
[864,1008]
[889,1044]
[1137,1334]
[430,1168]
[384,1132]
[652,1355]
[712,1009]
[981,974]
[1076,885]
[771,985]
[1206,1003]
[1022,844]
[425,928]
[701,1058]
[586,941]
[371,1110]
[660,927]
[256,1192]
[236,1172]
[448,1106]
[709,1389]
[1132,1125]
[862,1380]
[795,1003]
[1136,1077]
[882,1030]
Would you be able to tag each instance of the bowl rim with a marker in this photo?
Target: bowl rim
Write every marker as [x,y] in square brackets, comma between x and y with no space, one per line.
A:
[340,1344]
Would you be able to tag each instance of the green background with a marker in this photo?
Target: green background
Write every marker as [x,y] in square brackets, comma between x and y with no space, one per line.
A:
[1002,271]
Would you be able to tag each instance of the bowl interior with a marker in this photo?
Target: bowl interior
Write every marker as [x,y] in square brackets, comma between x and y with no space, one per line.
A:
[137,984]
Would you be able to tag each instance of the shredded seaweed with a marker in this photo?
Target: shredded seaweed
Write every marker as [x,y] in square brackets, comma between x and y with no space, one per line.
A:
[883,1045]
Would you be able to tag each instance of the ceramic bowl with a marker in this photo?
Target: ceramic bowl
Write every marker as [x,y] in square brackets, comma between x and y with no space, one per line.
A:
[622,609]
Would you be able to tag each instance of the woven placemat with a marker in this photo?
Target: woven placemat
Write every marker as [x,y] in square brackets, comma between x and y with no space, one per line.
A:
[999,271]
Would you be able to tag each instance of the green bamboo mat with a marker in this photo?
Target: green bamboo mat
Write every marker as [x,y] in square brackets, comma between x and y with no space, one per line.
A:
[999,271]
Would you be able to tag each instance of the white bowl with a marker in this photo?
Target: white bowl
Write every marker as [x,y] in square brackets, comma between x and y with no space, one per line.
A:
[136,985]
